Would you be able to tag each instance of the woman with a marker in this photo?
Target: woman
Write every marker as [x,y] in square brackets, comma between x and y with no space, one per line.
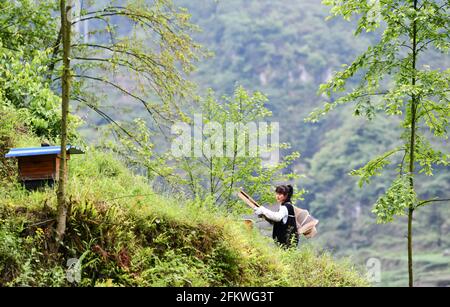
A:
[284,227]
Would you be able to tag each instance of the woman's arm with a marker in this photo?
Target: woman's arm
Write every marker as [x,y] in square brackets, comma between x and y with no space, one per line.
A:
[271,215]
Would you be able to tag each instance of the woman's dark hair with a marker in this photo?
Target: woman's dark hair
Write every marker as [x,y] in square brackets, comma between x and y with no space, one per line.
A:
[286,190]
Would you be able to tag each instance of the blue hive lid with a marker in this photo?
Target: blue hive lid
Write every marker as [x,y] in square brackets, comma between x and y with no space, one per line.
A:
[40,151]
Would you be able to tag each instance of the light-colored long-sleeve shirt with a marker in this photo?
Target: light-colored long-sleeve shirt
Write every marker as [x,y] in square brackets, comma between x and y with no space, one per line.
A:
[281,215]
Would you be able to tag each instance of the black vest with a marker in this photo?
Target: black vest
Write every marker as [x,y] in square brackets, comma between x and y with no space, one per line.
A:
[284,234]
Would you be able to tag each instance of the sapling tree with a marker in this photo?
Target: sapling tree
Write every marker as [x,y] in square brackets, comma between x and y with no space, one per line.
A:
[234,145]
[146,64]
[395,81]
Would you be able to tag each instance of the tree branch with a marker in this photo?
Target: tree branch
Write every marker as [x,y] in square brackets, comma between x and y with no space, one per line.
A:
[107,117]
[131,66]
[404,45]
[123,91]
[426,44]
[55,52]
[118,87]
[429,116]
[402,163]
[133,15]
[423,203]
[113,49]
[154,66]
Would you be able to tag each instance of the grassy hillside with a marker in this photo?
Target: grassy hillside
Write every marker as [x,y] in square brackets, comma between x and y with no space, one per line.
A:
[145,240]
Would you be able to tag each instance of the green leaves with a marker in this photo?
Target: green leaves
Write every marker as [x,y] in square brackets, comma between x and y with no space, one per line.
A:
[398,198]
[20,20]
[374,167]
[428,157]
[24,87]
[27,32]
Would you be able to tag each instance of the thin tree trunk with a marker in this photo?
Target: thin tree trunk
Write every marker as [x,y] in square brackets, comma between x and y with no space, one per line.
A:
[211,174]
[412,146]
[66,78]
[410,249]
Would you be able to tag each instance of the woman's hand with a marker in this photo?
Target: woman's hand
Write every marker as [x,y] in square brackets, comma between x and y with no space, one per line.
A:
[260,211]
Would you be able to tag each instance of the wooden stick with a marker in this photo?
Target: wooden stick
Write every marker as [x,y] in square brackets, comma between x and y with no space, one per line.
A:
[248,200]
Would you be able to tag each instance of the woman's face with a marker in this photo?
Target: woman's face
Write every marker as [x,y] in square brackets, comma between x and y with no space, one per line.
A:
[280,197]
